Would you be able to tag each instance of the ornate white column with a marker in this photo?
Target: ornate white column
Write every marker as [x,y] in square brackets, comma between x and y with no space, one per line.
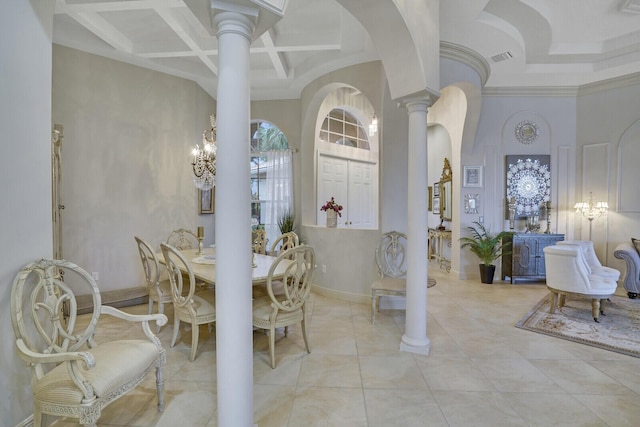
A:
[415,338]
[234,331]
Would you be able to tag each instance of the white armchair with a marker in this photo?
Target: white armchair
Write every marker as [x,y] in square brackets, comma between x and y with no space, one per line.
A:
[568,274]
[593,263]
[71,375]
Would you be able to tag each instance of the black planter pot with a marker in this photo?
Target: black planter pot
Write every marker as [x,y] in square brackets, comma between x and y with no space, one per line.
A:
[486,273]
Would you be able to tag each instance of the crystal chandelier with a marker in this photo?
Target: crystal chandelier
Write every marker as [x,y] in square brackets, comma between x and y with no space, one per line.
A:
[204,159]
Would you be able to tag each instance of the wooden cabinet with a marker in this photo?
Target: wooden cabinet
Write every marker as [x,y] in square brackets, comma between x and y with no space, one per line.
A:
[526,260]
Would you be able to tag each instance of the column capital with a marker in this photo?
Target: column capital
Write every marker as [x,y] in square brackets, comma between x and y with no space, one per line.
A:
[234,22]
[417,105]
[425,97]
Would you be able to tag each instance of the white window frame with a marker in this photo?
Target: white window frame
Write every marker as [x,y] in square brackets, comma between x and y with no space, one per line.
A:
[360,207]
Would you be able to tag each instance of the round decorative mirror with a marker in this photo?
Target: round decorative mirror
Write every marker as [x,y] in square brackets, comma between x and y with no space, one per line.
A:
[526,132]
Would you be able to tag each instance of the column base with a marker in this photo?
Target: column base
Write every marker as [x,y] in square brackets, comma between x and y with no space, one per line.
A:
[415,346]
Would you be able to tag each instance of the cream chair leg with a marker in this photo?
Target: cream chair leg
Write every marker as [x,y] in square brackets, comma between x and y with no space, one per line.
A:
[160,388]
[150,306]
[176,329]
[595,308]
[554,302]
[304,334]
[374,301]
[272,345]
[562,301]
[195,332]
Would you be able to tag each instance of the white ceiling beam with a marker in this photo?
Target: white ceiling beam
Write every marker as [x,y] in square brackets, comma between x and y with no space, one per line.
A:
[279,63]
[150,50]
[186,36]
[103,29]
[116,6]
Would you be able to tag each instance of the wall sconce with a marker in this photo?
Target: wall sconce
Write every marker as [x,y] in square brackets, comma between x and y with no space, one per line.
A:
[373,126]
[204,159]
[589,210]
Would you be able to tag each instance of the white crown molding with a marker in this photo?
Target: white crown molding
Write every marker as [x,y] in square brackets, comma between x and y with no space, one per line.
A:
[467,56]
[549,91]
[586,89]
[609,84]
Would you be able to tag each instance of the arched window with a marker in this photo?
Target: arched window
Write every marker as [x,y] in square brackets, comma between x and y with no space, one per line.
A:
[342,128]
[271,177]
[347,166]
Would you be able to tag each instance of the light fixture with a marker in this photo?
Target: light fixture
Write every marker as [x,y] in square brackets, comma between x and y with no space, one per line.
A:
[373,126]
[204,159]
[589,210]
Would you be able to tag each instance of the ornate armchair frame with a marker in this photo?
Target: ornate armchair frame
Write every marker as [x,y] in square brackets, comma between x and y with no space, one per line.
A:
[71,375]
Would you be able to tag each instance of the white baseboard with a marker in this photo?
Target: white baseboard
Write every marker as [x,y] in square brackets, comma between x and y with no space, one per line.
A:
[117,298]
[343,296]
[27,422]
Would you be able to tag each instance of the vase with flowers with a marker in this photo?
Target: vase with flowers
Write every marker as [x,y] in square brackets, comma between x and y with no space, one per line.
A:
[333,212]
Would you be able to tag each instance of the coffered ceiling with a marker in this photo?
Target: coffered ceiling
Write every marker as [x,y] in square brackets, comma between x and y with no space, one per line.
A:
[548,43]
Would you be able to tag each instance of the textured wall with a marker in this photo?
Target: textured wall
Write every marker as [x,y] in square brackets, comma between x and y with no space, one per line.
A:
[607,140]
[25,175]
[125,169]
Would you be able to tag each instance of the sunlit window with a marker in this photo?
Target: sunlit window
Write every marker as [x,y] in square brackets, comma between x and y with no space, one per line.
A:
[342,128]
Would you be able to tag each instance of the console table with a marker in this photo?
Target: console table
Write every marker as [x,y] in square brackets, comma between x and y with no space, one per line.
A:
[437,240]
[526,260]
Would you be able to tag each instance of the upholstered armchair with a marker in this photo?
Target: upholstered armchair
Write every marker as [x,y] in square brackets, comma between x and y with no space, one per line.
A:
[593,263]
[71,375]
[631,281]
[568,274]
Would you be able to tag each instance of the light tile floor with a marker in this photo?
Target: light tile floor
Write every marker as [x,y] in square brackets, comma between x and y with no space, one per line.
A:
[482,371]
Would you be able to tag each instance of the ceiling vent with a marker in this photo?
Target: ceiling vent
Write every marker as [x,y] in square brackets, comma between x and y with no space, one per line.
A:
[502,56]
[630,6]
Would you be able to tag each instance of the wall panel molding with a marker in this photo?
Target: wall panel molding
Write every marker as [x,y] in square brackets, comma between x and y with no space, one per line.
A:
[628,170]
[563,193]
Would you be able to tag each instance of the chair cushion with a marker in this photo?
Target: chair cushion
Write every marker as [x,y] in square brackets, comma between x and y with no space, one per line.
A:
[262,311]
[390,284]
[117,363]
[606,272]
[599,285]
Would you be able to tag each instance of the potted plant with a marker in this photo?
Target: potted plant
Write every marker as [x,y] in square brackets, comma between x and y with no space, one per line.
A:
[286,222]
[487,247]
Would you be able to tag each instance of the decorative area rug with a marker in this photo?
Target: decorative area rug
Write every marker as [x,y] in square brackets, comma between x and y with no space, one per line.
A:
[618,330]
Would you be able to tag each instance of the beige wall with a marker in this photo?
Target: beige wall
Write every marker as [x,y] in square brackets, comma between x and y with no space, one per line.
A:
[607,134]
[129,133]
[25,175]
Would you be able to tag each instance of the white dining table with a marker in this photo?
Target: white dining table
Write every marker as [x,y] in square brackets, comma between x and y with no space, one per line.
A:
[204,266]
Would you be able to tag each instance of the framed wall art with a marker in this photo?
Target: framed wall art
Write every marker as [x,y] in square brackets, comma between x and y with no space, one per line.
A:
[472,176]
[471,202]
[206,201]
[436,206]
[528,182]
[430,197]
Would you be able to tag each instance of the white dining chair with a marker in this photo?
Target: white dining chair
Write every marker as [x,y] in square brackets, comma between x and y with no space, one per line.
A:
[158,284]
[281,310]
[283,242]
[187,306]
[183,238]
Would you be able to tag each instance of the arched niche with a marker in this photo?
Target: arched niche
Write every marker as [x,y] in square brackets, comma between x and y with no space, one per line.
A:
[628,170]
